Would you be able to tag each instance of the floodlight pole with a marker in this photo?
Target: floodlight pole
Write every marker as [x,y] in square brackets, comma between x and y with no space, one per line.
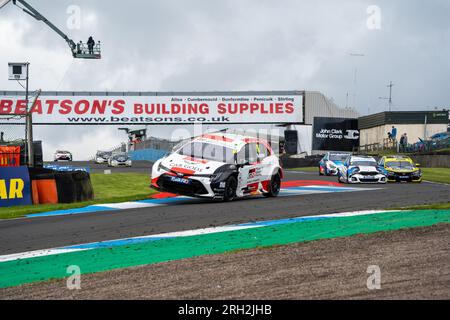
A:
[390,85]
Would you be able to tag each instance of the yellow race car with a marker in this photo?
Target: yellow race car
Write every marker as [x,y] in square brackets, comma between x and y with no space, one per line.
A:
[400,169]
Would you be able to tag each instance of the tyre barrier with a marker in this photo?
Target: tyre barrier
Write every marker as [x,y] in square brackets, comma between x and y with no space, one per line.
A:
[66,187]
[83,186]
[51,186]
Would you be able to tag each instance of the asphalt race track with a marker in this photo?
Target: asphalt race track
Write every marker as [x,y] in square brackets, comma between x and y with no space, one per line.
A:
[28,234]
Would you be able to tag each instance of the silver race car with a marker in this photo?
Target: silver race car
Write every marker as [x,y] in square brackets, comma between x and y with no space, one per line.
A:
[119,159]
[360,169]
[102,156]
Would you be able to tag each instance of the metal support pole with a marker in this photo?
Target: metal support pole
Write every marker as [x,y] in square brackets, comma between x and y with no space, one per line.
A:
[29,124]
[390,94]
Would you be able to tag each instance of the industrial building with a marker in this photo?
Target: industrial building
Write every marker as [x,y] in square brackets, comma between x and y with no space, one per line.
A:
[416,124]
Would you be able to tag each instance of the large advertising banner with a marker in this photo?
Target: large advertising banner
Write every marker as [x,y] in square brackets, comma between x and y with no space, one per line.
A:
[335,134]
[160,109]
[15,188]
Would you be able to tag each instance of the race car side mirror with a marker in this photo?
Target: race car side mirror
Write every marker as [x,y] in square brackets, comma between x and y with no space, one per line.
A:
[417,164]
[243,163]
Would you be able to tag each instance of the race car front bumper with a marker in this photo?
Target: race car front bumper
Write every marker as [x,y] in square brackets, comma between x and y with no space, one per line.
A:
[120,164]
[187,186]
[403,177]
[362,178]
[63,158]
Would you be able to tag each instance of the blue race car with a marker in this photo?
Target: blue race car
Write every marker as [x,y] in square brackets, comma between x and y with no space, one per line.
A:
[331,162]
[361,169]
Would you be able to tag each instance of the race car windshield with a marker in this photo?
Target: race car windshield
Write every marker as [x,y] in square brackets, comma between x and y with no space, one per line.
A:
[363,163]
[120,156]
[338,157]
[399,165]
[208,151]
[104,154]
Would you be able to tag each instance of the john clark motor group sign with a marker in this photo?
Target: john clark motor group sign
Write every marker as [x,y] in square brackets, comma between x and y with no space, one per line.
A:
[159,109]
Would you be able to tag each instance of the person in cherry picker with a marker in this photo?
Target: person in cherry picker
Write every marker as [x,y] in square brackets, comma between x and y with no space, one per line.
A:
[91,44]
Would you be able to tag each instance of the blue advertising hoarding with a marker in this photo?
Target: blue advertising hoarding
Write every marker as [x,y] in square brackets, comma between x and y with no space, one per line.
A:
[66,168]
[15,186]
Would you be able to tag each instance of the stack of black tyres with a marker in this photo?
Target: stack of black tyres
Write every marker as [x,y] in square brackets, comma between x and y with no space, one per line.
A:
[83,186]
[66,187]
[72,186]
[38,173]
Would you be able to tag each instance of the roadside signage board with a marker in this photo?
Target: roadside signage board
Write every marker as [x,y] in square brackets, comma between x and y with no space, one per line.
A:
[15,187]
[335,134]
[161,108]
[66,168]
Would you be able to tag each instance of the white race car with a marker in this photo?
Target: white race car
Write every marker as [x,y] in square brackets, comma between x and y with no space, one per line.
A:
[360,169]
[102,156]
[219,166]
[61,155]
[119,159]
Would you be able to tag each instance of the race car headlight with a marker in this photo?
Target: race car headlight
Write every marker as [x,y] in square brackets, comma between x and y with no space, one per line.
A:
[354,171]
[161,167]
[417,173]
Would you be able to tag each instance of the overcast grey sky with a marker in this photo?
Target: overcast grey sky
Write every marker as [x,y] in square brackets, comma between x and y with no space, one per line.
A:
[195,45]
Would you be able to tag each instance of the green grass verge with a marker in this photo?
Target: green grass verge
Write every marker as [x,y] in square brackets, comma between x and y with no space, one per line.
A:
[108,188]
[436,174]
[437,206]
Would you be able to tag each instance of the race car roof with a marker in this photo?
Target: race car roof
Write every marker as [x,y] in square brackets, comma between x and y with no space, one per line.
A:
[229,140]
[397,158]
[362,158]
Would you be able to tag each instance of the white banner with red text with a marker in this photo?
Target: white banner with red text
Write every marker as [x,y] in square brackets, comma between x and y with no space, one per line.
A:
[160,109]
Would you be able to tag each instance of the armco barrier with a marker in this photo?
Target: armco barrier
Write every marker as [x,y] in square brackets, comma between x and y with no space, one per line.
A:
[147,154]
[309,161]
[433,161]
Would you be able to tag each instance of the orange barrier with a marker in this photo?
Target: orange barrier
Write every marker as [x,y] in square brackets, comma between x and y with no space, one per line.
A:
[34,192]
[9,156]
[47,191]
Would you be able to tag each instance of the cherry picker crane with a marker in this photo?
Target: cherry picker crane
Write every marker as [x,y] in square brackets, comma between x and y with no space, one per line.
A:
[79,50]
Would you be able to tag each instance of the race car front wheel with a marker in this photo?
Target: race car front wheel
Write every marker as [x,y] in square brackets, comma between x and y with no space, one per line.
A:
[230,189]
[275,186]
